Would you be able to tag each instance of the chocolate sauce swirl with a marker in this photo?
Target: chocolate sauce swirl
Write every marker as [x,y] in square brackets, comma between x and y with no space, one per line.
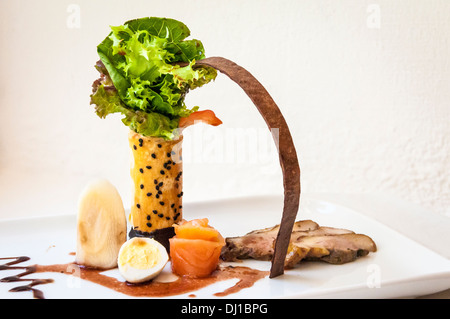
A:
[37,294]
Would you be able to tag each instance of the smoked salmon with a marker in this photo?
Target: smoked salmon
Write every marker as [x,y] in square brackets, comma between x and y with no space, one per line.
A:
[195,248]
[206,116]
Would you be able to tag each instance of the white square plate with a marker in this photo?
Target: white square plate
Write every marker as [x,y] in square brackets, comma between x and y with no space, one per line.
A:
[400,267]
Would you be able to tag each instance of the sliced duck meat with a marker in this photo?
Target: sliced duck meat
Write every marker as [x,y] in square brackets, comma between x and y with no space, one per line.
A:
[309,241]
[258,244]
[338,248]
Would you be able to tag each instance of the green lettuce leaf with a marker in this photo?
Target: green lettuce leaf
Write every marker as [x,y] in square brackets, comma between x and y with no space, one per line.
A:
[107,101]
[140,59]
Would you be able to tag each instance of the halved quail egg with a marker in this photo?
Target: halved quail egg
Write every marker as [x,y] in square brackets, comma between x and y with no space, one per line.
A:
[141,259]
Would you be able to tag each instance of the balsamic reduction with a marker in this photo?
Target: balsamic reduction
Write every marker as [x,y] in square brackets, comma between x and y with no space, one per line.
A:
[247,277]
[18,278]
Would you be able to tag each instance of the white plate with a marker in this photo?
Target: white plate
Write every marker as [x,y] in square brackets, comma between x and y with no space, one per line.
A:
[400,267]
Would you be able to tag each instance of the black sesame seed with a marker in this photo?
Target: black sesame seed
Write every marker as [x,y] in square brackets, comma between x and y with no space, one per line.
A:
[141,170]
[168,218]
[171,206]
[161,203]
[148,217]
[138,206]
[142,186]
[160,215]
[157,195]
[162,172]
[155,181]
[155,211]
[159,145]
[149,224]
[154,155]
[149,194]
[169,167]
[174,210]
[160,184]
[134,146]
[141,140]
[157,187]
[159,192]
[180,206]
[148,167]
[176,216]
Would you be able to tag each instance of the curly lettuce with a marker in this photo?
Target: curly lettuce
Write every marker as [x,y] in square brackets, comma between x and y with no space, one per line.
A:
[142,77]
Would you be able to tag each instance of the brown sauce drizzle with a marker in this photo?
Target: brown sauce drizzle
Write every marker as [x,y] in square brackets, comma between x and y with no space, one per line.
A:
[18,278]
[247,277]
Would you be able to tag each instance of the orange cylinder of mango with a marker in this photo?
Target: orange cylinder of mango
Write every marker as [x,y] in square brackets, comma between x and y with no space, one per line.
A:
[156,171]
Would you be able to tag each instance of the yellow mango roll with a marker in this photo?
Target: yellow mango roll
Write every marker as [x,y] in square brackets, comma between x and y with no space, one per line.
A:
[156,171]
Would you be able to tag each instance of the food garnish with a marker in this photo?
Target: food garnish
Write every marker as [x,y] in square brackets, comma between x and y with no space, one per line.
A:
[141,259]
[101,225]
[140,75]
[285,145]
[206,116]
[195,249]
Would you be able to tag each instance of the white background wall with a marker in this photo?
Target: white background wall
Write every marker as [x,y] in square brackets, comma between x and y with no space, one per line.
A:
[364,86]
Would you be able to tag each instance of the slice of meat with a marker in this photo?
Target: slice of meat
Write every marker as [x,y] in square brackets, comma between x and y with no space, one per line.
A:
[333,248]
[309,241]
[258,244]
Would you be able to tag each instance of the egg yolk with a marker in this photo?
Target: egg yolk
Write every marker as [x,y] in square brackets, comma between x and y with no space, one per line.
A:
[140,255]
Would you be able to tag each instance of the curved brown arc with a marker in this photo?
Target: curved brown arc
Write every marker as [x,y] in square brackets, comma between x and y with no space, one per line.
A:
[285,146]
